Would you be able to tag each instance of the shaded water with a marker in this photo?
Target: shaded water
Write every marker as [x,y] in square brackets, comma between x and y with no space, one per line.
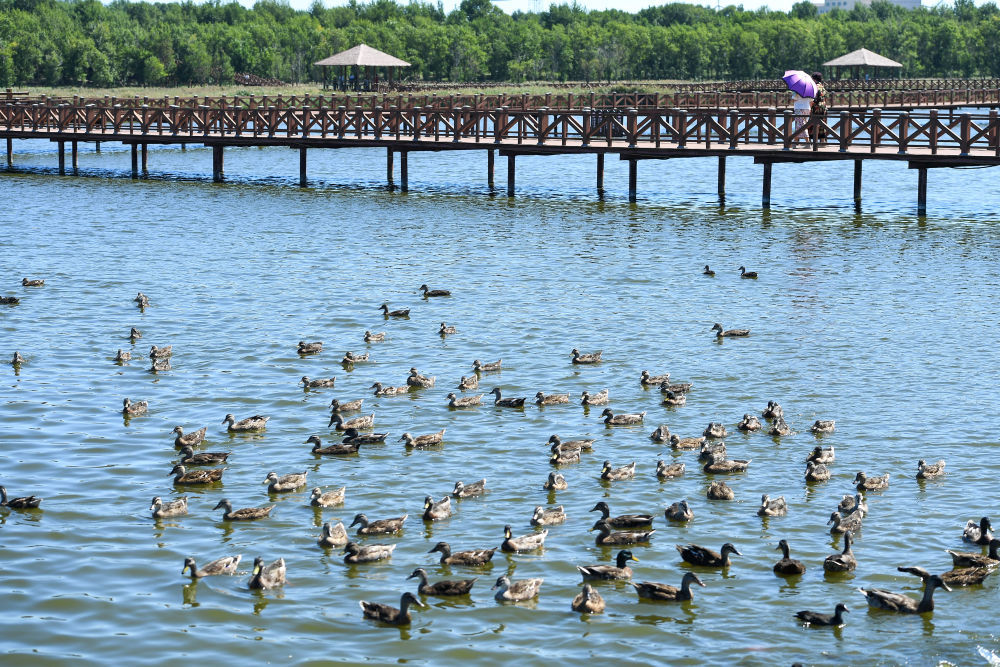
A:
[881,321]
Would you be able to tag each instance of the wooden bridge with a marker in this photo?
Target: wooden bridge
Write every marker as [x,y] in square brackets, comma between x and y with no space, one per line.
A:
[923,139]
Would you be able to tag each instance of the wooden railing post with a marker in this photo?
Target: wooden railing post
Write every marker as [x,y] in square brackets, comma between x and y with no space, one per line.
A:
[772,118]
[787,129]
[681,127]
[993,132]
[876,129]
[903,130]
[341,120]
[542,120]
[415,116]
[966,134]
[845,130]
[499,121]
[305,122]
[932,131]
[377,117]
[632,127]
[733,128]
[359,121]
[587,124]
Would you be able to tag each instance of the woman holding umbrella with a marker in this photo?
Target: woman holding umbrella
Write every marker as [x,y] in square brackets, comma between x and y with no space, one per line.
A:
[803,90]
[819,107]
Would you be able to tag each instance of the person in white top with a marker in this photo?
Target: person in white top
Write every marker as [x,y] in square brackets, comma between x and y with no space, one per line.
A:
[801,107]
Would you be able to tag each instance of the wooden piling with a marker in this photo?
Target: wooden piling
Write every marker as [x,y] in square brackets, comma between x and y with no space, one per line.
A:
[491,169]
[135,161]
[765,199]
[388,167]
[633,169]
[74,155]
[97,146]
[404,180]
[600,173]
[857,184]
[145,158]
[510,175]
[722,177]
[62,156]
[921,191]
[303,180]
[218,164]
[10,152]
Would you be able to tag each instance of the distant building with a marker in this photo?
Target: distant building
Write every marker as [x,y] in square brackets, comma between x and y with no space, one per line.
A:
[848,5]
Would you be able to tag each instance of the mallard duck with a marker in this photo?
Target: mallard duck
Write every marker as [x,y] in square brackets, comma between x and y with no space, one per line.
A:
[285,483]
[352,437]
[816,472]
[548,517]
[130,409]
[182,476]
[244,514]
[475,557]
[772,411]
[661,434]
[675,387]
[591,358]
[820,455]
[189,458]
[333,535]
[715,430]
[159,365]
[160,509]
[415,379]
[561,457]
[316,384]
[672,399]
[255,423]
[437,510]
[465,401]
[620,570]
[381,390]
[393,313]
[379,527]
[608,538]
[747,274]
[368,553]
[775,507]
[423,440]
[17,359]
[528,542]
[816,618]
[320,498]
[346,406]
[588,601]
[855,503]
[224,565]
[350,358]
[787,565]
[623,520]
[192,439]
[720,491]
[749,423]
[698,555]
[26,502]
[434,292]
[966,576]
[333,450]
[613,474]
[384,613]
[134,333]
[555,482]
[729,333]
[708,271]
[679,511]
[611,419]
[843,524]
[666,470]
[37,282]
[364,421]
[9,301]
[779,428]
[981,534]
[161,352]
[267,576]
[516,591]
[710,449]
[469,383]
[374,337]
[141,300]
[542,398]
[845,560]
[926,470]
[678,442]
[881,599]
[600,398]
[823,426]
[647,380]
[441,588]
[719,465]
[479,367]
[469,490]
[650,590]
[968,559]
[121,357]
[501,402]
[580,444]
[445,330]
[865,483]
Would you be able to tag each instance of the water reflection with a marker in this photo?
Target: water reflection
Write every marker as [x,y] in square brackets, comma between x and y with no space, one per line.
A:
[188,594]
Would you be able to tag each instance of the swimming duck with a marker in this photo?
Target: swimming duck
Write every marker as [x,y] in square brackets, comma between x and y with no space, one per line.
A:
[817,618]
[465,401]
[374,337]
[678,442]
[130,409]
[845,560]
[480,367]
[474,557]
[17,360]
[181,476]
[672,399]
[719,465]
[352,437]
[434,292]
[865,483]
[517,591]
[779,427]
[787,565]
[926,470]
[969,559]
[708,271]
[823,426]
[608,538]
[710,449]
[446,330]
[697,555]
[820,455]
[320,498]
[415,379]
[141,300]
[676,387]
[423,440]
[316,384]
[368,553]
[159,365]
[729,333]
[435,511]
[285,483]
[600,398]
[775,507]
[620,570]
[267,576]
[528,542]
[506,402]
[441,588]
[38,282]
[224,565]
[161,352]
[588,601]
[548,517]
[679,511]
[747,274]
[379,527]
[966,576]
[134,333]
[551,399]
[350,358]
[341,449]
[384,613]
[160,509]
[715,430]
[346,406]
[333,535]
[393,313]
[614,474]
[661,434]
[650,590]
[121,357]
[720,491]
[855,503]
[749,423]
[816,472]
[310,348]
[469,490]
[388,391]
[562,457]
[469,383]
[244,514]
[772,411]
[189,458]
[24,502]
[255,423]
[611,419]
[580,444]
[10,301]
[555,482]
[981,534]
[843,524]
[648,380]
[364,421]
[591,358]
[666,470]
[192,439]
[881,599]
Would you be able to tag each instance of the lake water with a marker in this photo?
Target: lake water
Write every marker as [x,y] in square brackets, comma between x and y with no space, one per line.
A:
[882,321]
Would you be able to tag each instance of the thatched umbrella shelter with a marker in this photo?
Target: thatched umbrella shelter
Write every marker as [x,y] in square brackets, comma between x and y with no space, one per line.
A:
[361,55]
[862,58]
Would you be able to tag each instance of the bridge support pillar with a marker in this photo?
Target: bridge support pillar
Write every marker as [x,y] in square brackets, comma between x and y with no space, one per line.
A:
[135,161]
[600,173]
[74,155]
[857,184]
[62,157]
[97,146]
[145,158]
[765,199]
[510,175]
[218,164]
[404,175]
[722,177]
[633,169]
[303,180]
[921,191]
[10,152]
[491,158]
[388,167]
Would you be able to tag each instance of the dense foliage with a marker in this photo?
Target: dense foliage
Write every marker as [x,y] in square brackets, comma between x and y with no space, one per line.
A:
[69,42]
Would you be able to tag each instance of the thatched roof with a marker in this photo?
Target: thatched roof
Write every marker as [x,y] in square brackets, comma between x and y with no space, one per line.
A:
[862,58]
[363,55]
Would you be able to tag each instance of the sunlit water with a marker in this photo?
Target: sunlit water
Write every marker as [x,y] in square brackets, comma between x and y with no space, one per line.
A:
[882,321]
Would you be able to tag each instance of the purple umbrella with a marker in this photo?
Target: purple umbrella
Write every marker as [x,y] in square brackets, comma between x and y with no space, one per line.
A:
[800,82]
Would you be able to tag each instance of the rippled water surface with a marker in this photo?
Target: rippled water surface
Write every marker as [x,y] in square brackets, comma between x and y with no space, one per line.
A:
[882,321]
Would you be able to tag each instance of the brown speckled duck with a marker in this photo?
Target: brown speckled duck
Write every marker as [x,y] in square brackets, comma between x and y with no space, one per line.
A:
[845,560]
[772,507]
[607,537]
[666,470]
[189,458]
[614,474]
[816,472]
[882,599]
[464,401]
[379,527]
[445,330]
[320,498]
[542,398]
[678,442]
[163,510]
[340,449]
[334,535]
[927,470]
[29,282]
[528,542]
[622,520]
[843,524]
[346,406]
[444,588]
[184,477]
[381,390]
[591,358]
[772,411]
[285,483]
[580,444]
[322,383]
[729,333]
[469,383]
[600,398]
[21,502]
[192,439]
[720,491]
[390,615]
[661,434]
[422,441]
[469,490]
[120,358]
[548,517]
[864,483]
[779,428]
[433,292]
[787,565]
[624,419]
[250,424]
[219,566]
[415,379]
[393,313]
[488,367]
[620,570]
[823,426]
[368,553]
[820,455]
[516,591]
[651,590]
[588,601]
[555,482]
[374,337]
[474,557]
[161,352]
[679,511]
[698,555]
[364,421]
[436,510]
[969,559]
[244,514]
[719,465]
[653,380]
[501,402]
[715,430]
[978,534]
[271,575]
[130,409]
[749,423]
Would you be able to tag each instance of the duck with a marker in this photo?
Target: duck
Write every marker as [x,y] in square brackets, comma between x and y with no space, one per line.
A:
[465,401]
[816,472]
[843,524]
[390,615]
[865,483]
[981,534]
[698,555]
[501,402]
[676,387]
[551,399]
[423,440]
[650,590]
[608,538]
[415,379]
[647,380]
[285,483]
[469,383]
[17,359]
[134,333]
[445,330]
[817,618]
[224,565]
[787,565]
[966,576]
[661,434]
[590,358]
[729,333]
[710,449]
[855,503]
[600,398]
[379,527]
[435,511]
[772,411]
[381,390]
[708,271]
[393,313]
[674,400]
[678,442]
[189,458]
[434,292]
[720,491]
[310,348]
[11,301]
[320,498]
[479,367]
[588,601]
[121,357]
[473,557]
[927,470]
[528,542]
[516,591]
[28,282]
[555,482]
[752,275]
[548,517]
[749,423]
[666,470]
[28,502]
[159,365]
[779,428]
[141,300]
[775,507]
[364,421]
[161,352]
[444,588]
[346,406]
[332,450]
[350,358]
[620,570]
[160,509]
[622,520]
[255,423]
[352,437]
[317,384]
[469,490]
[374,337]
[368,553]
[614,474]
[271,575]
[611,419]
[580,444]
[244,514]
[823,426]
[182,476]
[820,455]
[719,465]
[968,559]
[715,430]
[192,439]
[130,409]
[334,535]
[845,560]
[679,511]
[882,599]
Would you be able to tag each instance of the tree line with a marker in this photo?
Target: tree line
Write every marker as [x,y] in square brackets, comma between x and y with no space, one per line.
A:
[85,42]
